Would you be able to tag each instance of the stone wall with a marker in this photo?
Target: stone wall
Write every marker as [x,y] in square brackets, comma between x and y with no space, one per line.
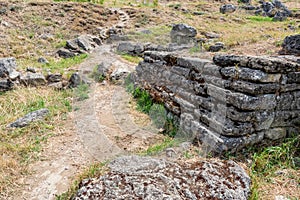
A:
[228,103]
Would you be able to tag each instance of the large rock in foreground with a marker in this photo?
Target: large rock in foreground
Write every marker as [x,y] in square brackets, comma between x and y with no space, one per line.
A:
[133,177]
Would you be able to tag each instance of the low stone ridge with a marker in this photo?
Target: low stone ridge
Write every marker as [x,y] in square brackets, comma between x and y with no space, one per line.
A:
[227,104]
[138,49]
[134,177]
[30,117]
[291,45]
[10,77]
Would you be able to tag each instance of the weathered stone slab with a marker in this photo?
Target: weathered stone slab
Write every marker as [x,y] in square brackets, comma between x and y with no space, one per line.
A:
[250,75]
[8,68]
[33,79]
[196,64]
[253,89]
[275,133]
[30,117]
[293,77]
[266,64]
[211,70]
[150,178]
[245,102]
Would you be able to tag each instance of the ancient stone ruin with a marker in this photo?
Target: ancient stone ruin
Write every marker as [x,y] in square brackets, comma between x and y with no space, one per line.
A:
[133,177]
[227,104]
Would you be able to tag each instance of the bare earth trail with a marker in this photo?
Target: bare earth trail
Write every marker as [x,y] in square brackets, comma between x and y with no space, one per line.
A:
[100,128]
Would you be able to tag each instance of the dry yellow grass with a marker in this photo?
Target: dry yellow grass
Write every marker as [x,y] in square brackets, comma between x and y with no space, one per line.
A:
[21,146]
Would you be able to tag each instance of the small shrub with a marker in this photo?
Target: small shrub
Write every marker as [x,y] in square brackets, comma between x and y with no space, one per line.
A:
[81,92]
[144,100]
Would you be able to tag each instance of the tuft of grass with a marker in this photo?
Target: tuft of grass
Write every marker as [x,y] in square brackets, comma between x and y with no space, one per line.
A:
[257,18]
[96,75]
[130,58]
[157,148]
[196,49]
[55,66]
[143,99]
[94,170]
[81,92]
[266,164]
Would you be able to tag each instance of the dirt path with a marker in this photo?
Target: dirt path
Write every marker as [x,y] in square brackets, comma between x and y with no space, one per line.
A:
[101,128]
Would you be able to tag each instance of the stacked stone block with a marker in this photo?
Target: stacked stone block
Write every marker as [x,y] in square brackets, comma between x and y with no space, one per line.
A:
[227,104]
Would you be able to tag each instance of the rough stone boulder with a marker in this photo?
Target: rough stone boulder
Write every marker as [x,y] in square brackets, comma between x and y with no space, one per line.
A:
[218,46]
[183,34]
[131,48]
[30,117]
[79,45]
[227,8]
[134,177]
[291,45]
[8,68]
[75,80]
[33,79]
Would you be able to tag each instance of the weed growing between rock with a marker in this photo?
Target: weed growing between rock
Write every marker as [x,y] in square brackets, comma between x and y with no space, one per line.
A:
[94,170]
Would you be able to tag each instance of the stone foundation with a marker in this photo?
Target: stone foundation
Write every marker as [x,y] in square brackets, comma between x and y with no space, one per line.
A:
[227,104]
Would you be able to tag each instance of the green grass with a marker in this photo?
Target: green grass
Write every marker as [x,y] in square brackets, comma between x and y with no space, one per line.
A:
[156,111]
[143,100]
[55,66]
[157,148]
[130,58]
[196,49]
[259,18]
[267,161]
[96,75]
[81,92]
[94,170]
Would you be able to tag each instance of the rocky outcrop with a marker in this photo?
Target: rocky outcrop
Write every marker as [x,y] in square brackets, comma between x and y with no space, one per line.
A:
[138,49]
[275,9]
[30,117]
[79,45]
[291,45]
[133,177]
[230,103]
[8,73]
[183,34]
[33,79]
[227,8]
